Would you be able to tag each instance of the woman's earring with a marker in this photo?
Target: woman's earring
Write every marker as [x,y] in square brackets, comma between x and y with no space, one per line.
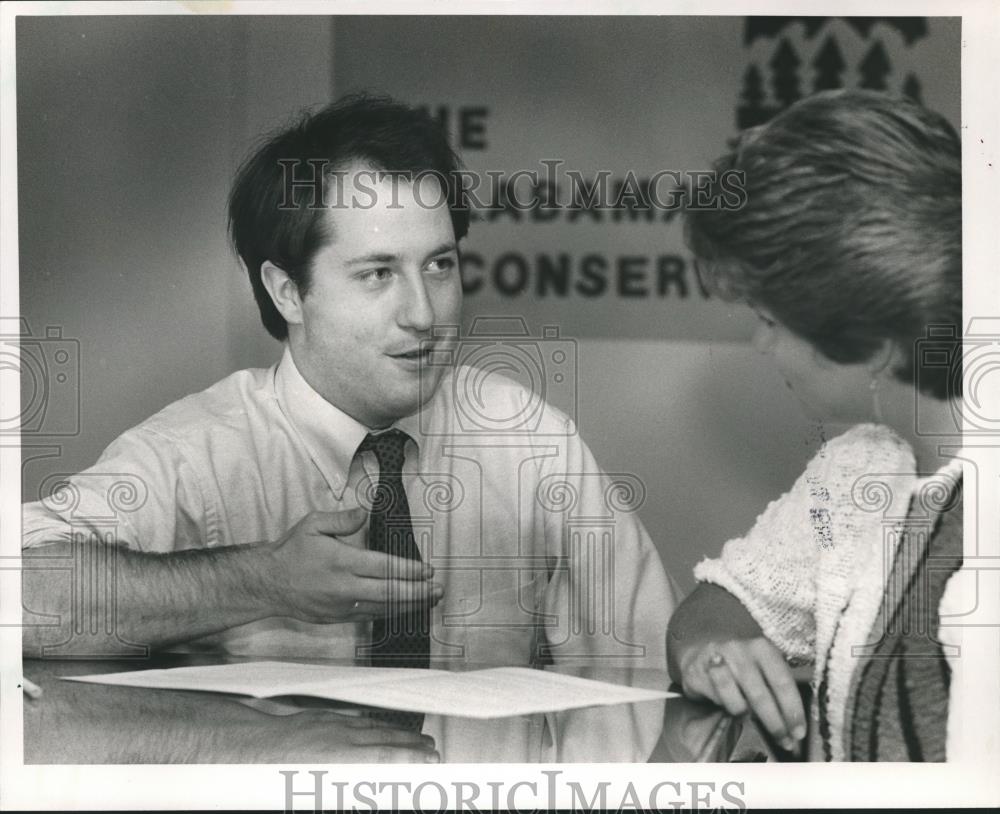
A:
[873,385]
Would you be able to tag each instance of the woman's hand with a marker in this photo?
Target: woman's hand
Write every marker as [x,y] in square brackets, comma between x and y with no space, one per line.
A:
[746,675]
[716,650]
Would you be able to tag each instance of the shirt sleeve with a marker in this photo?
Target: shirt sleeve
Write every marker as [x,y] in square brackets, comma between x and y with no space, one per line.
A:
[814,528]
[608,596]
[141,493]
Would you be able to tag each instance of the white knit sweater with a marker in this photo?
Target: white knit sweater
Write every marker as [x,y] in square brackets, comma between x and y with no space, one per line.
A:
[815,563]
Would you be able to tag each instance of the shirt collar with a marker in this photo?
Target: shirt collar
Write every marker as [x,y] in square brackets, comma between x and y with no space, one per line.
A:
[331,436]
[411,426]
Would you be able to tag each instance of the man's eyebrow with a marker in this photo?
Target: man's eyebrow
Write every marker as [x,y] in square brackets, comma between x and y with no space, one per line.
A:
[372,258]
[444,248]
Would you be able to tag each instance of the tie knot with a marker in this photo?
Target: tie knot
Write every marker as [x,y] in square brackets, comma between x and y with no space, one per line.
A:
[388,449]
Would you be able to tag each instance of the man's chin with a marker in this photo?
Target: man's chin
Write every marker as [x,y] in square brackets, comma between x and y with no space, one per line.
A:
[410,402]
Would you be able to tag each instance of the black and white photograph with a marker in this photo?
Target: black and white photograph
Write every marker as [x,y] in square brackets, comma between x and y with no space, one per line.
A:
[499,407]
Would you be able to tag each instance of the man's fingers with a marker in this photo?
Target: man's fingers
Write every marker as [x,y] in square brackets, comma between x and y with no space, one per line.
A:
[394,754]
[387,596]
[385,566]
[337,523]
[727,691]
[391,736]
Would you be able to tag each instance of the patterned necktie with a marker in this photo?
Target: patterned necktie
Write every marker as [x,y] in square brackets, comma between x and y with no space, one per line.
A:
[400,639]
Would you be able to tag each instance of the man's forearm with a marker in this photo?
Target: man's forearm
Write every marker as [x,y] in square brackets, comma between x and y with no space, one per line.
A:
[153,600]
[709,611]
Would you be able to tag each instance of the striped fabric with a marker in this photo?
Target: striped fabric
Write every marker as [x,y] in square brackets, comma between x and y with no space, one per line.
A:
[900,692]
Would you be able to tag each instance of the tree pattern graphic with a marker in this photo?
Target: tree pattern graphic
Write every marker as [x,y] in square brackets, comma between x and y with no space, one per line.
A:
[782,74]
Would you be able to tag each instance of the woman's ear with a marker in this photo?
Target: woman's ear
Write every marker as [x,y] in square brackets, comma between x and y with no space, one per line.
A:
[284,292]
[884,358]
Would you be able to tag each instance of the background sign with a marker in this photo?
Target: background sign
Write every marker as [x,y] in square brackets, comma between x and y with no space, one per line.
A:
[532,101]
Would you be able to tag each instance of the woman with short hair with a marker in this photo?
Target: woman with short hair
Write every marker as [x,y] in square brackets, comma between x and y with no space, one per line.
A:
[848,245]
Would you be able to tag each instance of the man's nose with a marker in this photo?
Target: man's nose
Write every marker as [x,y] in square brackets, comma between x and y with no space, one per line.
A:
[417,310]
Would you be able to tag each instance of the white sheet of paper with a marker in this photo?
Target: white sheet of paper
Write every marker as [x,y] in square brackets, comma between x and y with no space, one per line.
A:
[493,693]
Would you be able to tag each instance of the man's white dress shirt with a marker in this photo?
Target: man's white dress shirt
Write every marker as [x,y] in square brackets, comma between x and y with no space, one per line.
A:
[531,541]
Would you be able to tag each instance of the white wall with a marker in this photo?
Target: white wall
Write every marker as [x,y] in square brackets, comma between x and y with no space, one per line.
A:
[711,429]
[129,132]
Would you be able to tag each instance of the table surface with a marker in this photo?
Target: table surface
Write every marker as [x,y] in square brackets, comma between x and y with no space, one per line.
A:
[74,722]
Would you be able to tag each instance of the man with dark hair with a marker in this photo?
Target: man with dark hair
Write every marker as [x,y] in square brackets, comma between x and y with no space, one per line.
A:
[364,498]
[277,205]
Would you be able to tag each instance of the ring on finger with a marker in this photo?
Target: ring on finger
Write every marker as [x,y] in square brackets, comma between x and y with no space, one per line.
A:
[357,604]
[716,660]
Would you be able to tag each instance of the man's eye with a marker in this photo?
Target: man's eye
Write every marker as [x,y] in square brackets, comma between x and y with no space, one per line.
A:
[378,275]
[442,264]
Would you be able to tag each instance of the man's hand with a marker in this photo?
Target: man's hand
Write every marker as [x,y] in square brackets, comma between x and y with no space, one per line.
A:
[746,675]
[318,577]
[317,736]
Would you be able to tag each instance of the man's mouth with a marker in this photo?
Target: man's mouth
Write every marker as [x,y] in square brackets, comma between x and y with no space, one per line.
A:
[421,354]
